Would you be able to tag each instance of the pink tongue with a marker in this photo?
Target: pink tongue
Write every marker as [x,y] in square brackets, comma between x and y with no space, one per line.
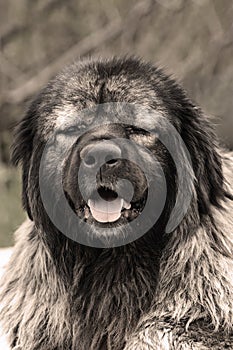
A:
[104,211]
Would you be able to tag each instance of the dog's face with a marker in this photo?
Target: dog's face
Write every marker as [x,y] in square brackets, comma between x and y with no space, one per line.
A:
[103,132]
[104,159]
[108,173]
[112,188]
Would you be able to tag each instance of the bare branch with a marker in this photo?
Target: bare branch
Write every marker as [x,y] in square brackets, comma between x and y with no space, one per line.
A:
[84,47]
[9,69]
[17,28]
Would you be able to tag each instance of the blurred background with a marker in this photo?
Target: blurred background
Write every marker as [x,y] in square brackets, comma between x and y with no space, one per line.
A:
[190,39]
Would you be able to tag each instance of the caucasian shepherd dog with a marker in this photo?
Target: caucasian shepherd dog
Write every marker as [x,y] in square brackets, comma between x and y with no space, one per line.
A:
[95,266]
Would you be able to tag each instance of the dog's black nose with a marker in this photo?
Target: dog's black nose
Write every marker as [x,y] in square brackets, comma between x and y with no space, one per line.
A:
[104,152]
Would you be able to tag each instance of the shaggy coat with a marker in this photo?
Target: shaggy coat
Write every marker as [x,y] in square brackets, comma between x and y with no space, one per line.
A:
[163,291]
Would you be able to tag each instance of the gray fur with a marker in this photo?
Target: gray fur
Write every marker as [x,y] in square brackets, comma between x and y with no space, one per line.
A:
[161,292]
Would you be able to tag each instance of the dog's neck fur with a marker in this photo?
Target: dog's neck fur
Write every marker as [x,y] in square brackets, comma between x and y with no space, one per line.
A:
[103,293]
[111,293]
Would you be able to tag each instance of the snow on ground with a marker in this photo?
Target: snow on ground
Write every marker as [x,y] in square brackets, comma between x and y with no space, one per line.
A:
[4,257]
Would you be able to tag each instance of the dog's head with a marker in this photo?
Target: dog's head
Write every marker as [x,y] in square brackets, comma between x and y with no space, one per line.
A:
[105,137]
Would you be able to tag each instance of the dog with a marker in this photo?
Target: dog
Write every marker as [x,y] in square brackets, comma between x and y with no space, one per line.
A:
[128,241]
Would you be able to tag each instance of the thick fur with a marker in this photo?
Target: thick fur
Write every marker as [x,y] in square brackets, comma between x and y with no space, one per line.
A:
[163,291]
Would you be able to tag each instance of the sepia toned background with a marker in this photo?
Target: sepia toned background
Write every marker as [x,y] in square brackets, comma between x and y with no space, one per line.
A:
[191,39]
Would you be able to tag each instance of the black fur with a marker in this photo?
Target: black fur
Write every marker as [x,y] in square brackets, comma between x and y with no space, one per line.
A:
[61,295]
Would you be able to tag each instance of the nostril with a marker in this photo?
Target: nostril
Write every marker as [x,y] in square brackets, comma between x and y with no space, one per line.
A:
[109,159]
[100,153]
[89,160]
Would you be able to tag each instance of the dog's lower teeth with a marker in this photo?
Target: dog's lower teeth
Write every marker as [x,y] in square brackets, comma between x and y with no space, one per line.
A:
[86,213]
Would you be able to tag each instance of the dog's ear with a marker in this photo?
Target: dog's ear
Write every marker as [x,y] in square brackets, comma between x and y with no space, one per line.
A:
[207,161]
[22,151]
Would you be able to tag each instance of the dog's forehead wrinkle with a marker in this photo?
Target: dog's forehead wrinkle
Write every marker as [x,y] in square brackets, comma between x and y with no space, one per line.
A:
[66,114]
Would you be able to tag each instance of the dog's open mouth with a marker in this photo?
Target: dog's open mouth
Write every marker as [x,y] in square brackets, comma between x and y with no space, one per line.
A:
[105,206]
